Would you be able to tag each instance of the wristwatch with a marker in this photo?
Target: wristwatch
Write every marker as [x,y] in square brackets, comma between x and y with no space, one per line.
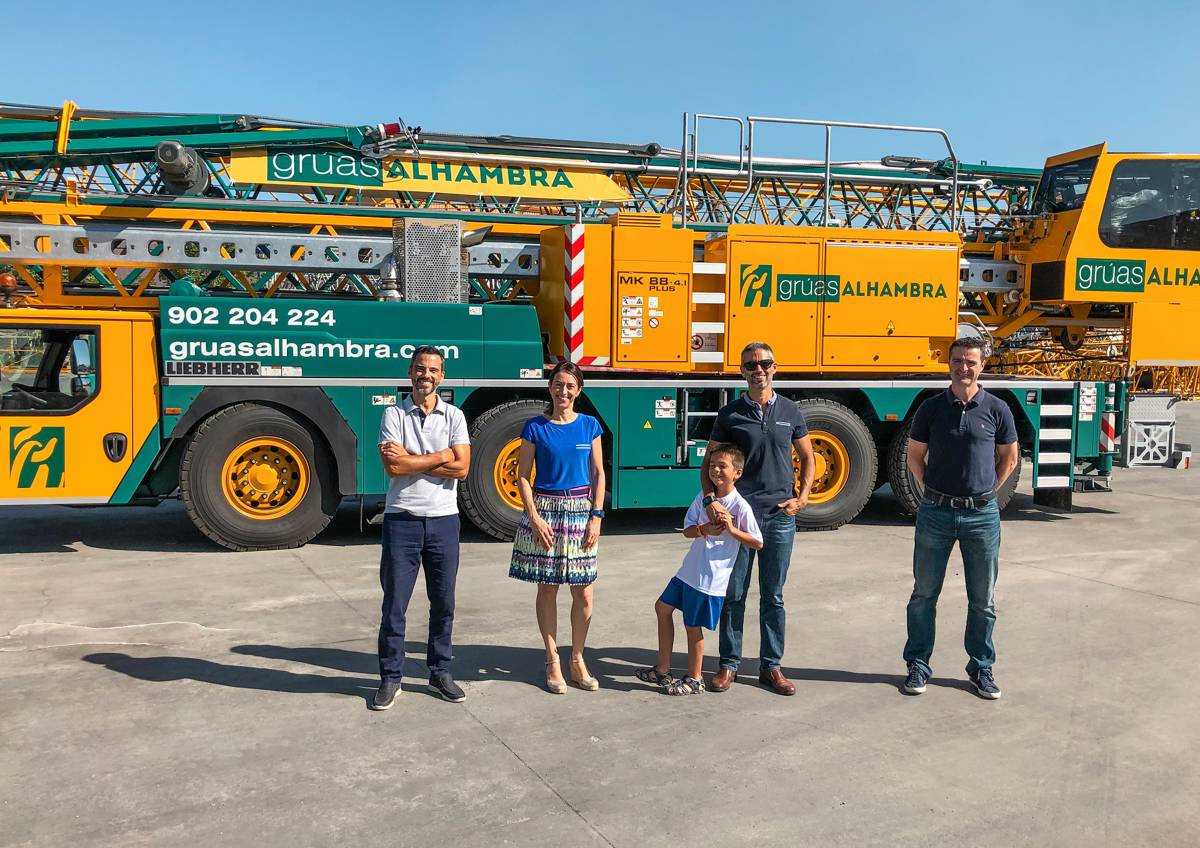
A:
[597,513]
[708,499]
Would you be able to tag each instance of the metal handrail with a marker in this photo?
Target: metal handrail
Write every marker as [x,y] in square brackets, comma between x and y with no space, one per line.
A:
[746,154]
[691,141]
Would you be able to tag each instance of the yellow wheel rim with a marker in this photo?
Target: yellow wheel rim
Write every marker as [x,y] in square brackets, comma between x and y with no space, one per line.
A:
[265,477]
[505,476]
[832,469]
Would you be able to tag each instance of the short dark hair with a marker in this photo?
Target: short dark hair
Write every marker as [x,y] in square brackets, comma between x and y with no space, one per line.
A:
[736,458]
[753,346]
[426,350]
[978,343]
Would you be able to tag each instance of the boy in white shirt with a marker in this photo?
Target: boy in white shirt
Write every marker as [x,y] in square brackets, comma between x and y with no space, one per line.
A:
[698,588]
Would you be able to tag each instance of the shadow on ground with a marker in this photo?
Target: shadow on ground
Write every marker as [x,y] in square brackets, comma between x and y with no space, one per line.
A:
[355,673]
[167,528]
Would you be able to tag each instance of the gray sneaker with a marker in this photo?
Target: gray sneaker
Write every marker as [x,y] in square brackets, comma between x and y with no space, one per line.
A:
[444,685]
[914,684]
[385,695]
[985,684]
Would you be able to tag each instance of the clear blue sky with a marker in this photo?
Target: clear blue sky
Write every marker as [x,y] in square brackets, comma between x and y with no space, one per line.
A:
[1012,82]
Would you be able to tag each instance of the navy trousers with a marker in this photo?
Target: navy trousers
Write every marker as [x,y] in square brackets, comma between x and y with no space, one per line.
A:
[410,542]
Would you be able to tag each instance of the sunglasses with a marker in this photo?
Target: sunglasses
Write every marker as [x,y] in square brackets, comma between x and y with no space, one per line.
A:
[764,364]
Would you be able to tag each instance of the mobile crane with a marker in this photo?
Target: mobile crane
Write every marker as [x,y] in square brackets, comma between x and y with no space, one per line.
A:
[222,305]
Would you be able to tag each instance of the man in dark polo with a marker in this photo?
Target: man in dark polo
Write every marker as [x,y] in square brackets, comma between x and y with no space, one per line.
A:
[766,427]
[962,445]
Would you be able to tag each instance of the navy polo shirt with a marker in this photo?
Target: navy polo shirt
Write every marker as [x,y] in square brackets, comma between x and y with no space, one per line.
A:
[962,441]
[766,440]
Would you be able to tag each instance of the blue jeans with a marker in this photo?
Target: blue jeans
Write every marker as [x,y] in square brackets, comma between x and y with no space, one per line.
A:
[977,532]
[410,542]
[779,533]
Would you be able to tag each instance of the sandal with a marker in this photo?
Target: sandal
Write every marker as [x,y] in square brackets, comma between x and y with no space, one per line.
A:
[583,680]
[654,677]
[686,686]
[554,687]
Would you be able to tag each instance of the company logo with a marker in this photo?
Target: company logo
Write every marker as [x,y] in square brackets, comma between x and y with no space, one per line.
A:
[349,169]
[37,457]
[758,284]
[1110,275]
[754,282]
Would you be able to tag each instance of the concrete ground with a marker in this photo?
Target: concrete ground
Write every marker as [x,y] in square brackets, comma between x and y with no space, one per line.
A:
[155,691]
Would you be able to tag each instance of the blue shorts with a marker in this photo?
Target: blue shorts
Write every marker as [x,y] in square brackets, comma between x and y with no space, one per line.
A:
[699,609]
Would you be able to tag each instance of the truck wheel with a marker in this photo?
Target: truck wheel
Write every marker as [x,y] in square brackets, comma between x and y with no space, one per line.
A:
[489,496]
[254,479]
[846,464]
[906,488]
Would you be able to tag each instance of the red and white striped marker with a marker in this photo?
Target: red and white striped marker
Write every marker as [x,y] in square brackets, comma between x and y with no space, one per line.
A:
[573,300]
[1108,432]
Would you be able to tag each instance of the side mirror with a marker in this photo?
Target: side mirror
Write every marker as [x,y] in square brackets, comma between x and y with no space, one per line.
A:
[81,357]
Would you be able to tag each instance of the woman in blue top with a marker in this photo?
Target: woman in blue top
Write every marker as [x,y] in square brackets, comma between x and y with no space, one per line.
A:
[556,542]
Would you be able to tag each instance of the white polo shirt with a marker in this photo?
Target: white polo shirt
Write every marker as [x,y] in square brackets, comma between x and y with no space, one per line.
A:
[423,494]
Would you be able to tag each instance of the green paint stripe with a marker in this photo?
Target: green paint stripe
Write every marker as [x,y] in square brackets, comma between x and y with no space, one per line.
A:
[133,478]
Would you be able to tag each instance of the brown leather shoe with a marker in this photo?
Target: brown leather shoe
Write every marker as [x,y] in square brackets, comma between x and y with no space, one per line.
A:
[722,680]
[776,682]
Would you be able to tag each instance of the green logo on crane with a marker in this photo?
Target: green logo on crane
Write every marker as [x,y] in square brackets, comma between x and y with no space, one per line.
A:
[759,284]
[37,457]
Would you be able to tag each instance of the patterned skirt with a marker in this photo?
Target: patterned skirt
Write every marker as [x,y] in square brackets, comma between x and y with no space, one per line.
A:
[567,513]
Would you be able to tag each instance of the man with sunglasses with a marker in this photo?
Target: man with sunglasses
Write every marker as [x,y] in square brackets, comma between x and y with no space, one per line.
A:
[766,427]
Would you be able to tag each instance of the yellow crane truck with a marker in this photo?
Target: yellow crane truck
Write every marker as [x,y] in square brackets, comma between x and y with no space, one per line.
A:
[221,306]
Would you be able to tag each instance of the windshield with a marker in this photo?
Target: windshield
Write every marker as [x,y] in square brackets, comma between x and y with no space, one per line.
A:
[1063,187]
[1153,204]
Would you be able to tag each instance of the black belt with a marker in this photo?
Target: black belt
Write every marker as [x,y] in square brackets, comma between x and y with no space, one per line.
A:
[958,501]
[575,491]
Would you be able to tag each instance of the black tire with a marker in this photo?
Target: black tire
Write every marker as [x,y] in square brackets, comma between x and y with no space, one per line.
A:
[478,495]
[843,424]
[200,480]
[905,486]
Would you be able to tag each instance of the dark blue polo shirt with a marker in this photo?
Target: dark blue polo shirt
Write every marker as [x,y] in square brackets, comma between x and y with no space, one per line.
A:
[768,478]
[962,441]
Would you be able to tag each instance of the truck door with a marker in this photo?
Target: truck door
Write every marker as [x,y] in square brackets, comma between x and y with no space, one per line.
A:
[65,406]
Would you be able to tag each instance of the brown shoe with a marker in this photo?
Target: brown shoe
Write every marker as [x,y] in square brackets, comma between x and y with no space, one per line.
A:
[776,682]
[722,680]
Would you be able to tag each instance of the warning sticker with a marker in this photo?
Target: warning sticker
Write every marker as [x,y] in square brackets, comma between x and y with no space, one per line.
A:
[629,333]
[653,323]
[633,322]
[652,302]
[630,310]
[631,300]
[664,408]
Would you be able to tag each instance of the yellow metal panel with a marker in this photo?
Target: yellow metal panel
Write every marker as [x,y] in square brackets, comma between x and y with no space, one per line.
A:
[1076,155]
[429,174]
[865,352]
[651,310]
[888,288]
[144,379]
[597,290]
[550,296]
[1163,334]
[774,295]
[69,446]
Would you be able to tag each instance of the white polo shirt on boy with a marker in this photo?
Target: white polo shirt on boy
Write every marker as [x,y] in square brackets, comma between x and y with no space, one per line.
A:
[709,560]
